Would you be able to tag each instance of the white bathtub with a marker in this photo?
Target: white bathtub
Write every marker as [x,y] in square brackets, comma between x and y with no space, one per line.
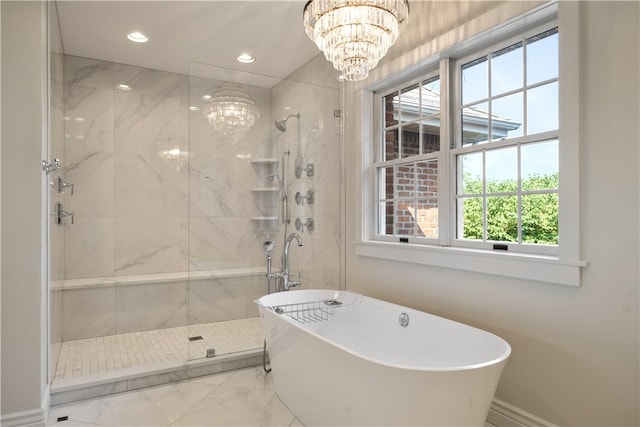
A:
[360,366]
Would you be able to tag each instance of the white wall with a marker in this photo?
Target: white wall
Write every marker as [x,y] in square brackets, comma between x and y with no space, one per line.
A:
[24,101]
[575,350]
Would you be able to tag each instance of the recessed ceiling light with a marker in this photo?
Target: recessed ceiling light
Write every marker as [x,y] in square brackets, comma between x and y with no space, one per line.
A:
[206,97]
[246,58]
[122,86]
[137,37]
[193,108]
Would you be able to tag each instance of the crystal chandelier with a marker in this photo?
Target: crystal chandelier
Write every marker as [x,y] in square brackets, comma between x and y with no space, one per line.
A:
[231,113]
[354,34]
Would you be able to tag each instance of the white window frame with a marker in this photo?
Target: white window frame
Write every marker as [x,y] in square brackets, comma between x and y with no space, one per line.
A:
[457,147]
[378,121]
[561,268]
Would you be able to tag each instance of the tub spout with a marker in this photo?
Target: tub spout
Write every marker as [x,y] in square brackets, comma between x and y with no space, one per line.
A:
[286,282]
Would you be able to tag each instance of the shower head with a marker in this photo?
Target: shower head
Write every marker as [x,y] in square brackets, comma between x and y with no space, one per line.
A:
[281,125]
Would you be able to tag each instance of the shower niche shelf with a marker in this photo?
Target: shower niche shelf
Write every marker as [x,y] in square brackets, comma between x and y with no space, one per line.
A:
[265,197]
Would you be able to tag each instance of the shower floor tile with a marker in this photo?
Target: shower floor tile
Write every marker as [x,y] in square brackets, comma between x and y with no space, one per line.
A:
[115,352]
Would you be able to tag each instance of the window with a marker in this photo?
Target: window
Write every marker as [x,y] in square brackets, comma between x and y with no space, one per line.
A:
[408,171]
[486,176]
[429,190]
[506,150]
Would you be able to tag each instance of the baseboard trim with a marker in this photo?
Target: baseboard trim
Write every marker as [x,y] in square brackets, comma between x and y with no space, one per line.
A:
[34,417]
[31,417]
[503,414]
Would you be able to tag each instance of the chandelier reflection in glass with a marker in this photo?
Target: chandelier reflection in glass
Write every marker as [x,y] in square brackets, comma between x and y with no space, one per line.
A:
[231,113]
[354,34]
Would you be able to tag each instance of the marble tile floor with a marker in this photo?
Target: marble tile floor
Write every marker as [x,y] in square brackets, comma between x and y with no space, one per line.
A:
[116,352]
[244,397]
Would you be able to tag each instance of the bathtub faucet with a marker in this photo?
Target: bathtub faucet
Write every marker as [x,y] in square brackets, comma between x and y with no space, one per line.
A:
[284,275]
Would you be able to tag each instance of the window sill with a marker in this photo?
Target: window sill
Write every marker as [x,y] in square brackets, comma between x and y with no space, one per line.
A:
[521,266]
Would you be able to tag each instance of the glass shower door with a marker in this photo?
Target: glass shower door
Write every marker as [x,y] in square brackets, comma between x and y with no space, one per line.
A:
[229,195]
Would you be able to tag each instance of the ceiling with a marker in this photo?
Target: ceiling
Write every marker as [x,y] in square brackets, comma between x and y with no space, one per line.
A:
[191,37]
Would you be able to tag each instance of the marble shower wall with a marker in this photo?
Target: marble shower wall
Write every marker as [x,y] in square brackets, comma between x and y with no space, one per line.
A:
[125,153]
[157,190]
[314,92]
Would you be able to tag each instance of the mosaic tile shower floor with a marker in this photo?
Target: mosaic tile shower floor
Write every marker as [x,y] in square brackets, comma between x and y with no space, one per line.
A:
[112,353]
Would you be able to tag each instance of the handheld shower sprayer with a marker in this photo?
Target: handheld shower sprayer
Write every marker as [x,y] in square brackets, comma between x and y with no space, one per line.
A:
[269,247]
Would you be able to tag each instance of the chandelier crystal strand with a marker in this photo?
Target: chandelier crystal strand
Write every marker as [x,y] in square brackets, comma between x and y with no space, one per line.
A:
[231,113]
[354,34]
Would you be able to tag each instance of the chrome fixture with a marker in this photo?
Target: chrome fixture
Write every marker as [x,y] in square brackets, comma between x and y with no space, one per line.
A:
[281,125]
[60,213]
[231,112]
[281,180]
[283,281]
[55,165]
[60,185]
[286,282]
[268,247]
[309,169]
[285,197]
[309,224]
[309,197]
[354,34]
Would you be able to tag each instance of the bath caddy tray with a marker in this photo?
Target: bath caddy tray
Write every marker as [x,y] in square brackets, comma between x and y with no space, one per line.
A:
[308,312]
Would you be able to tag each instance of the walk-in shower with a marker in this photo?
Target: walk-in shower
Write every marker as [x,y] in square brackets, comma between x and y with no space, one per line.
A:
[164,258]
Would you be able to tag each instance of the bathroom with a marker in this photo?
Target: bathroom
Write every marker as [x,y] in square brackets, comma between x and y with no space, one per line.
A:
[575,348]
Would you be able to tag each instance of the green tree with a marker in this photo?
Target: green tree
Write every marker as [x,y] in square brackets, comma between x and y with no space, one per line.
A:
[539,211]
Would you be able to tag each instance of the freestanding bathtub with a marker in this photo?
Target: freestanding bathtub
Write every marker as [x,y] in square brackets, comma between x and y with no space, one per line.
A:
[340,358]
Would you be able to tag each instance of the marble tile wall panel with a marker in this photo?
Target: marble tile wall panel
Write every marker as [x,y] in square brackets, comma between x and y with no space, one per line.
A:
[256,287]
[89,247]
[88,313]
[150,306]
[88,155]
[88,72]
[100,311]
[218,299]
[212,242]
[148,245]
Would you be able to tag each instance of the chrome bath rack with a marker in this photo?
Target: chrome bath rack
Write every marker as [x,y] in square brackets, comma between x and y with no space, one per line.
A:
[309,312]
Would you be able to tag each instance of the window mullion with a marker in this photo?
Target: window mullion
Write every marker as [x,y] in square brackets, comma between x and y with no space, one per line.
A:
[519,187]
[485,204]
[446,181]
